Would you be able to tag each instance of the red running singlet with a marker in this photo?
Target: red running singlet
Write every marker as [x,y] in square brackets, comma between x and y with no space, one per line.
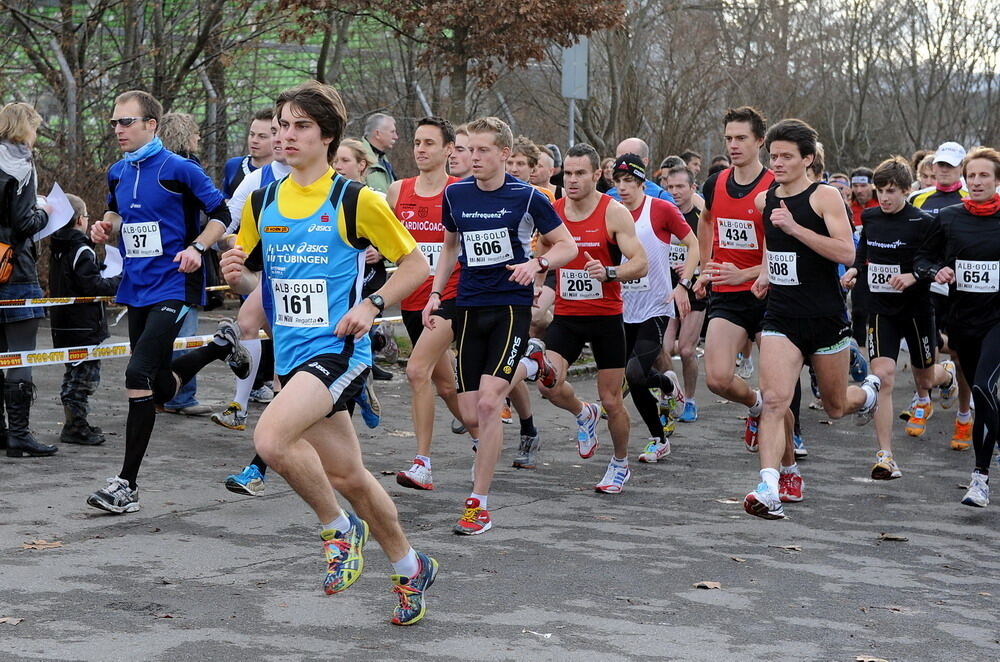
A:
[422,218]
[738,228]
[576,292]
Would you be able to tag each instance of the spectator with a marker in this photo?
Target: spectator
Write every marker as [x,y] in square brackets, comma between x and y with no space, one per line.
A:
[20,219]
[380,136]
[74,271]
[605,183]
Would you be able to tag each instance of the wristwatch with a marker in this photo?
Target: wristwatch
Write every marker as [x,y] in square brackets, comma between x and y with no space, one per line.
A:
[685,283]
[543,264]
[378,302]
[611,273]
[198,246]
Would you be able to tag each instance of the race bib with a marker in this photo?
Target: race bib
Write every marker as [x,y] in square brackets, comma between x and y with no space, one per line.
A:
[782,268]
[678,254]
[977,275]
[431,251]
[576,284]
[640,285]
[486,247]
[142,239]
[879,276]
[737,234]
[300,302]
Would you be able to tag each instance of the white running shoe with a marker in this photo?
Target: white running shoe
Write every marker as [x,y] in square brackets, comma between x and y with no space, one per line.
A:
[864,415]
[614,479]
[979,491]
[586,434]
[418,476]
[654,450]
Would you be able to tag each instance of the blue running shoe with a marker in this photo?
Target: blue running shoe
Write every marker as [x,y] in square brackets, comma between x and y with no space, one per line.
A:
[690,414]
[371,409]
[249,481]
[799,446]
[411,591]
[343,551]
[859,366]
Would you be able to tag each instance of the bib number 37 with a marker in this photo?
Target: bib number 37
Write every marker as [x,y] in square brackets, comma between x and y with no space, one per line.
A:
[142,239]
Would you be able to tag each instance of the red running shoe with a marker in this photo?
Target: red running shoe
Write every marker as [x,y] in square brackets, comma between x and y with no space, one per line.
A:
[476,519]
[790,487]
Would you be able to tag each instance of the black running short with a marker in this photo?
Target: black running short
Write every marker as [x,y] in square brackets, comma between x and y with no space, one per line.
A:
[886,331]
[151,332]
[812,335]
[567,335]
[942,306]
[413,320]
[741,308]
[341,378]
[491,340]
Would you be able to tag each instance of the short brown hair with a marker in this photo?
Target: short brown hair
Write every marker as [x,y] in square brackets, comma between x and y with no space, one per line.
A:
[148,105]
[987,153]
[894,170]
[17,120]
[322,104]
[503,137]
[462,130]
[527,149]
[749,114]
[680,170]
[265,114]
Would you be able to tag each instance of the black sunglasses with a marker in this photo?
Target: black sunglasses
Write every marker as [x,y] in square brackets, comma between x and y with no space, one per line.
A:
[127,121]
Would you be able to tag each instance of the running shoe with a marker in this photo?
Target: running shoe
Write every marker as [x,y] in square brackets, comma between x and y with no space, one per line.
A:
[535,351]
[672,404]
[472,470]
[864,415]
[232,417]
[457,426]
[744,366]
[813,384]
[799,447]
[614,479]
[655,450]
[117,497]
[505,413]
[411,590]
[586,434]
[750,433]
[764,503]
[669,425]
[263,395]
[790,488]
[885,467]
[949,392]
[418,476]
[343,551]
[249,481]
[690,414]
[238,359]
[527,452]
[371,408]
[475,520]
[906,413]
[979,491]
[961,438]
[604,412]
[917,425]
[859,366]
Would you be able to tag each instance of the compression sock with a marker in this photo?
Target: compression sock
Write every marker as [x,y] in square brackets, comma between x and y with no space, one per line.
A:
[138,430]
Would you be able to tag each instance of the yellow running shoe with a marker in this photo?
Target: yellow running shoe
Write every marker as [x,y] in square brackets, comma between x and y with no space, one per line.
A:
[343,551]
[917,423]
[961,439]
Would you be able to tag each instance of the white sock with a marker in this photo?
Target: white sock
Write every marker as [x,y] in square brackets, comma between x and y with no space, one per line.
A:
[964,416]
[241,395]
[757,407]
[770,476]
[426,460]
[530,369]
[584,414]
[926,400]
[342,523]
[619,463]
[482,498]
[871,395]
[793,468]
[408,565]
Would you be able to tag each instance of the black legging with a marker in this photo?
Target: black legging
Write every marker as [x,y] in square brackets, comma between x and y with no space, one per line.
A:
[643,344]
[980,360]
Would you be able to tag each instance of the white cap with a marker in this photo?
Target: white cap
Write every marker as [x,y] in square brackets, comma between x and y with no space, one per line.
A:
[950,153]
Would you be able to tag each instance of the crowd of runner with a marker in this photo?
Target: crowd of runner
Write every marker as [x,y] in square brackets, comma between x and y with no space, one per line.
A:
[510,260]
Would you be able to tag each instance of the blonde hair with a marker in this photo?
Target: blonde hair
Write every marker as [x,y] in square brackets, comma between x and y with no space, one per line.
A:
[361,152]
[179,133]
[17,121]
[502,135]
[79,208]
[985,153]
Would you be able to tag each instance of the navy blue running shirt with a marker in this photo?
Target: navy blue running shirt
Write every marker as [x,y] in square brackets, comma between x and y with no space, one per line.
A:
[495,229]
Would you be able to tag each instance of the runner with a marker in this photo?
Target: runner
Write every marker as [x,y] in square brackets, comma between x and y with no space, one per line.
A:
[305,434]
[900,306]
[731,239]
[417,203]
[963,248]
[493,215]
[542,174]
[639,146]
[460,159]
[687,331]
[259,148]
[155,201]
[523,161]
[808,232]
[647,312]
[862,198]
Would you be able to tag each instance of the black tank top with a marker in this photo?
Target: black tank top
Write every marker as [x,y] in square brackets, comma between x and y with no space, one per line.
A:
[803,282]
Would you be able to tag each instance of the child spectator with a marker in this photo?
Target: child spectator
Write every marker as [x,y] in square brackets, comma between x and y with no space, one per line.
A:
[74,271]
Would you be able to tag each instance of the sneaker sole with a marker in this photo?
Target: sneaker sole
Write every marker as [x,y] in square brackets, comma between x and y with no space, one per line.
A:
[239,488]
[645,459]
[469,532]
[960,445]
[801,454]
[522,465]
[788,498]
[406,481]
[878,473]
[756,508]
[588,455]
[227,425]
[916,433]
[606,489]
[117,510]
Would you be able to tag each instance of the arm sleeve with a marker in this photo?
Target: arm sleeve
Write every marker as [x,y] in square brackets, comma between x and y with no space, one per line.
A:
[239,198]
[543,213]
[88,275]
[446,219]
[708,190]
[112,201]
[249,236]
[861,253]
[210,198]
[377,224]
[669,223]
[930,256]
[24,217]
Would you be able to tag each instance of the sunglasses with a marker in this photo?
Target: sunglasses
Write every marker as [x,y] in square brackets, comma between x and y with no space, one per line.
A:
[127,121]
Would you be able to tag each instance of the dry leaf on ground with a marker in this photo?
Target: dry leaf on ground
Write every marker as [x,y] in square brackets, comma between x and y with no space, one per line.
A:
[893,536]
[707,585]
[42,544]
[9,620]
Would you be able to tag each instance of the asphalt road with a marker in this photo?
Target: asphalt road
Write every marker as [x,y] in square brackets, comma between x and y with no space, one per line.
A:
[566,574]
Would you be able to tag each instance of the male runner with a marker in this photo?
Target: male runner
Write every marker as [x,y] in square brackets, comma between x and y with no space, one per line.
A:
[260,153]
[523,161]
[460,160]
[493,215]
[155,201]
[731,240]
[542,173]
[647,310]
[808,233]
[417,203]
[308,234]
[899,307]
[639,146]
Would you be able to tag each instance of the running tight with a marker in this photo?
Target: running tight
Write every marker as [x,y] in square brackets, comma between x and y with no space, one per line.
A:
[643,343]
[980,359]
